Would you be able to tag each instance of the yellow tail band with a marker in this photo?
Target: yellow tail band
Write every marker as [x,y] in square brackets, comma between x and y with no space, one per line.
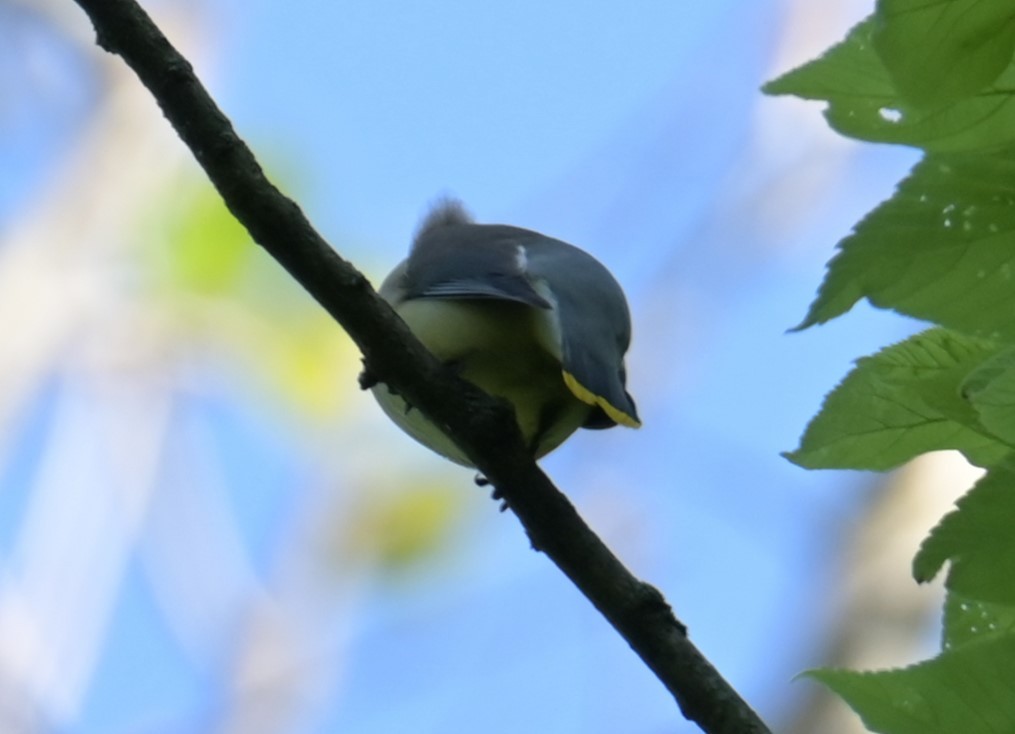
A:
[587,396]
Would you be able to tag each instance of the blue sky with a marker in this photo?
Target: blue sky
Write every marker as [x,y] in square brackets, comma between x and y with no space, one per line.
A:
[632,131]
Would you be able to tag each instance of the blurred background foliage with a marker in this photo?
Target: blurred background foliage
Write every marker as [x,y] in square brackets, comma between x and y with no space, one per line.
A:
[206,526]
[204,272]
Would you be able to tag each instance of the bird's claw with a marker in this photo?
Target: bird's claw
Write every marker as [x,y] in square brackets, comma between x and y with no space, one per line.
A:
[496,494]
[367,379]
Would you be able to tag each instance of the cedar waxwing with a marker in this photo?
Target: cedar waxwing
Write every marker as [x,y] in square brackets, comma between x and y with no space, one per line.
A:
[525,317]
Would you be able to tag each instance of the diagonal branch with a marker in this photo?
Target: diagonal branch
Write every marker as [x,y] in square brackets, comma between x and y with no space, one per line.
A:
[482,426]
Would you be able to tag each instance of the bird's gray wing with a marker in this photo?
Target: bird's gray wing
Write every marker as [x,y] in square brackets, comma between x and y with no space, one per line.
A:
[471,261]
[593,325]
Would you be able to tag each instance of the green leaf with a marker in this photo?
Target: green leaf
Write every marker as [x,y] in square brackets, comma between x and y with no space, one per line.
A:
[849,70]
[942,249]
[941,51]
[864,102]
[969,620]
[899,403]
[968,690]
[977,539]
[991,391]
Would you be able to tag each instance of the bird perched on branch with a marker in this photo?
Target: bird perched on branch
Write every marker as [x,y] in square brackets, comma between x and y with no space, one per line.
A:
[523,316]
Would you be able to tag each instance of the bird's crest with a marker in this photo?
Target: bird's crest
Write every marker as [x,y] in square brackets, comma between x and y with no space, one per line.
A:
[445,212]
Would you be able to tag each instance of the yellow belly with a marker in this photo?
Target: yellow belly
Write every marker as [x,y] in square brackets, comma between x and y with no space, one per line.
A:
[494,345]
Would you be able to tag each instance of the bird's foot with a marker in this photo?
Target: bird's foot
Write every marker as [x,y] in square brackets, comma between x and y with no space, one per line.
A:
[496,494]
[367,379]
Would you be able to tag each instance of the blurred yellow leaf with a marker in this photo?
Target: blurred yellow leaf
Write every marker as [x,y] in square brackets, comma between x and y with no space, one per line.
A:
[207,250]
[223,290]
[399,529]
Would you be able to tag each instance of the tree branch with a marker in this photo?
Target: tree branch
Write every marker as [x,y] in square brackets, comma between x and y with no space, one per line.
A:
[482,426]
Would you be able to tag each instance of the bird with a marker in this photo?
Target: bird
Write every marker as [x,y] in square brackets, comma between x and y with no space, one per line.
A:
[525,317]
